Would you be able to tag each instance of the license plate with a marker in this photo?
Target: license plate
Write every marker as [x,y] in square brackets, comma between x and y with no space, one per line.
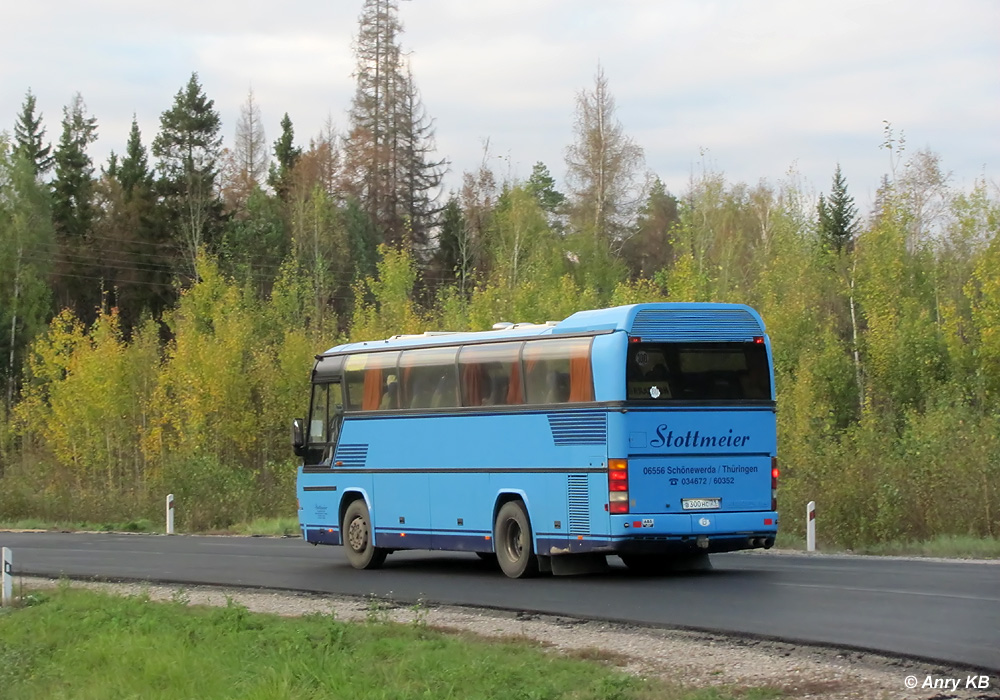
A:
[700,503]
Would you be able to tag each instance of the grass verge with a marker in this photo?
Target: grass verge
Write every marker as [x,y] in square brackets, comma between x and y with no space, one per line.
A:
[943,546]
[138,525]
[71,643]
[277,527]
[946,546]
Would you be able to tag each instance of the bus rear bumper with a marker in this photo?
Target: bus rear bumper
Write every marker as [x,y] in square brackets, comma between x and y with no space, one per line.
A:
[703,544]
[705,533]
[694,524]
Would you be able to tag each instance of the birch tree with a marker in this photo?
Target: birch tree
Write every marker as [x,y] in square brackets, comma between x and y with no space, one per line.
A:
[26,241]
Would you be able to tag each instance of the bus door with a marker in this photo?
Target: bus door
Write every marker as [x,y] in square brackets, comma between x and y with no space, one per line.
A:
[318,497]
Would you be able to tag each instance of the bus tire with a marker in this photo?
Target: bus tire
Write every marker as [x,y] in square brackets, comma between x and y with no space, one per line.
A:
[357,529]
[513,542]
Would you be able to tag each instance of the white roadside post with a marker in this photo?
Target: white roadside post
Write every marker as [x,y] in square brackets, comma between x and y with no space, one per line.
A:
[170,514]
[8,578]
[811,526]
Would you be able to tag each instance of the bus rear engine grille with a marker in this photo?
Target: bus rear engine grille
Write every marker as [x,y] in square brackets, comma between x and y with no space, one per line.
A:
[585,428]
[579,505]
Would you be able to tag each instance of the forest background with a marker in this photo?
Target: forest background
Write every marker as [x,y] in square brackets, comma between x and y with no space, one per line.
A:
[159,315]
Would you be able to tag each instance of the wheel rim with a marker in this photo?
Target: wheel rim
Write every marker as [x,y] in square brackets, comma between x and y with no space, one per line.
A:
[514,540]
[357,534]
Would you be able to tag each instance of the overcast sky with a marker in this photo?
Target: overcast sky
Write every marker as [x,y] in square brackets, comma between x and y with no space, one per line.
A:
[751,88]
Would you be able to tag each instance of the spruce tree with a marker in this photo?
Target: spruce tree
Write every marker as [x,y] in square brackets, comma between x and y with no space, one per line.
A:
[188,148]
[420,176]
[651,249]
[387,152]
[838,216]
[72,189]
[132,235]
[133,170]
[286,155]
[29,137]
[451,256]
[543,186]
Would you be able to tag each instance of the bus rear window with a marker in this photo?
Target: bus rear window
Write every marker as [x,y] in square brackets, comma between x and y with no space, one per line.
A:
[697,372]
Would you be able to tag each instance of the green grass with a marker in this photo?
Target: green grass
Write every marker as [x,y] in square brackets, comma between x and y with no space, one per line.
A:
[71,643]
[262,526]
[948,546]
[279,527]
[786,540]
[944,546]
[138,525]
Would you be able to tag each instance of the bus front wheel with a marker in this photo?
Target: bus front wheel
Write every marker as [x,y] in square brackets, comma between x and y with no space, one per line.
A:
[512,541]
[357,529]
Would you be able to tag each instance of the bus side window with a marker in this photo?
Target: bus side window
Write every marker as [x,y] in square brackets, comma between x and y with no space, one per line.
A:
[495,393]
[367,377]
[444,392]
[558,371]
[489,374]
[318,424]
[335,417]
[420,389]
[429,377]
[390,395]
[556,386]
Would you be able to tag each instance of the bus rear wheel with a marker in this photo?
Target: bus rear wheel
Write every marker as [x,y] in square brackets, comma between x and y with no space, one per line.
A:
[513,543]
[357,530]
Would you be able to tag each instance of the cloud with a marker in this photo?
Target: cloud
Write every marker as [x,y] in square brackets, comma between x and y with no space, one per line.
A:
[761,84]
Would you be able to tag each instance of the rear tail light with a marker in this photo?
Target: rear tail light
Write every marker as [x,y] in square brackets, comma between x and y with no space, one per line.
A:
[774,483]
[618,486]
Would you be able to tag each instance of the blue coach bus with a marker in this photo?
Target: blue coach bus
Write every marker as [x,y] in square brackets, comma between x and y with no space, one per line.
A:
[645,431]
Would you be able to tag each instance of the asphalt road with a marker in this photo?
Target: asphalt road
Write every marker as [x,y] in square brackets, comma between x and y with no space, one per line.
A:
[943,611]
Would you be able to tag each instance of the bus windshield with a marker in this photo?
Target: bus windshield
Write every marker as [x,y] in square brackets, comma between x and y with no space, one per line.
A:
[697,372]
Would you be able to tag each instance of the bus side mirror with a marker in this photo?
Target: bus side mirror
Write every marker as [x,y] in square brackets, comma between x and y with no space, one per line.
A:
[298,438]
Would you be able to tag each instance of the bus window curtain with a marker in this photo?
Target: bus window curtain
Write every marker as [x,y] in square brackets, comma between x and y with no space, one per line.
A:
[472,385]
[372,391]
[514,388]
[581,382]
[406,390]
